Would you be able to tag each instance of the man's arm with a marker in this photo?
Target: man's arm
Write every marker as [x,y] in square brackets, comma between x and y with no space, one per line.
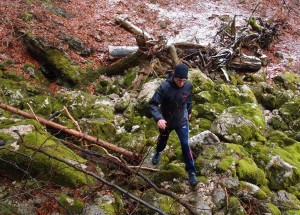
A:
[155,109]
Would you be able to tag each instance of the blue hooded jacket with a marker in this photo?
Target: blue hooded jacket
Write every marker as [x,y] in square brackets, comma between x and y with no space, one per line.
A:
[172,103]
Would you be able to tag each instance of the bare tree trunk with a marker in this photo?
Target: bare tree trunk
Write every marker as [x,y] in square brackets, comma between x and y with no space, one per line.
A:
[118,67]
[87,137]
[132,28]
[174,55]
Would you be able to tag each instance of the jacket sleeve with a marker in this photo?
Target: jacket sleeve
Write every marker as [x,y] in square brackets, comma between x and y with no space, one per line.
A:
[155,102]
[189,101]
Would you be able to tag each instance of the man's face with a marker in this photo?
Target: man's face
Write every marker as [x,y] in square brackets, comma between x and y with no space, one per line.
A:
[179,81]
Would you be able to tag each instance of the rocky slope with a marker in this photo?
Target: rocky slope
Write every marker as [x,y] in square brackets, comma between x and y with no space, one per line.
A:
[244,133]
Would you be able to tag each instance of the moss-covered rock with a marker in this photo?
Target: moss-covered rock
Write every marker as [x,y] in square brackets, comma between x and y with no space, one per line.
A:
[251,111]
[280,138]
[56,63]
[290,112]
[200,81]
[234,128]
[288,80]
[235,207]
[170,172]
[209,111]
[248,171]
[273,209]
[41,164]
[42,105]
[73,205]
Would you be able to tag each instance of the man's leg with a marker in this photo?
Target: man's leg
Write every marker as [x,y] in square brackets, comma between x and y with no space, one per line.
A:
[183,134]
[161,145]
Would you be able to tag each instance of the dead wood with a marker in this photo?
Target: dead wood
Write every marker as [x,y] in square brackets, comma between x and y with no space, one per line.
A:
[174,55]
[72,132]
[96,176]
[121,51]
[133,28]
[119,67]
[124,167]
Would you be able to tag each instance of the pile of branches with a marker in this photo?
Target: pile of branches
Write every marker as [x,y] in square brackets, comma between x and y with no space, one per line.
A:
[235,48]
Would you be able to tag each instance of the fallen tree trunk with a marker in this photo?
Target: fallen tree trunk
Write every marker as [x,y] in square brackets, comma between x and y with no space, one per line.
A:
[118,67]
[132,28]
[121,51]
[65,129]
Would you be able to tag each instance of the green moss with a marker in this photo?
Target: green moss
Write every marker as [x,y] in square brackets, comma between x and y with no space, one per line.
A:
[129,77]
[71,73]
[13,75]
[248,171]
[7,138]
[5,64]
[228,163]
[251,111]
[43,105]
[273,209]
[169,205]
[27,16]
[109,209]
[261,195]
[7,208]
[209,110]
[45,167]
[170,172]
[134,142]
[234,207]
[295,190]
[292,212]
[280,138]
[290,111]
[255,25]
[72,205]
[103,129]
[288,80]
[277,123]
[201,82]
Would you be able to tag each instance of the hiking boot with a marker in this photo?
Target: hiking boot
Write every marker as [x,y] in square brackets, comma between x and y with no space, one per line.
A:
[193,179]
[156,158]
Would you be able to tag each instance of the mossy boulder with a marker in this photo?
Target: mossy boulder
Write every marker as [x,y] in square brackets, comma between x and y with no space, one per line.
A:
[12,92]
[170,172]
[250,111]
[56,63]
[274,210]
[248,171]
[234,128]
[84,105]
[230,95]
[290,112]
[42,165]
[288,80]
[200,81]
[72,205]
[100,128]
[209,111]
[234,206]
[42,105]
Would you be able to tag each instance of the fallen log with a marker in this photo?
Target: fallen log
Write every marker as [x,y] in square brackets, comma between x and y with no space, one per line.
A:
[119,67]
[121,51]
[132,28]
[245,62]
[65,129]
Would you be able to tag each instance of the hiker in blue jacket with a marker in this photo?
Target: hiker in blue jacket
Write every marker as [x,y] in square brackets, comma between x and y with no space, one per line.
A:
[171,107]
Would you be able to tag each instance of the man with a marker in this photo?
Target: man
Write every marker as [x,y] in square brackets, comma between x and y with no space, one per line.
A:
[171,107]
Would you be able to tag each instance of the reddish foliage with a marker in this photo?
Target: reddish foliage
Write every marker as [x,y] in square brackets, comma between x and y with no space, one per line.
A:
[93,23]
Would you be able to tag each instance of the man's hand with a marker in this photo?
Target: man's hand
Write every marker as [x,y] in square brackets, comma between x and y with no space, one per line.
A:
[162,124]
